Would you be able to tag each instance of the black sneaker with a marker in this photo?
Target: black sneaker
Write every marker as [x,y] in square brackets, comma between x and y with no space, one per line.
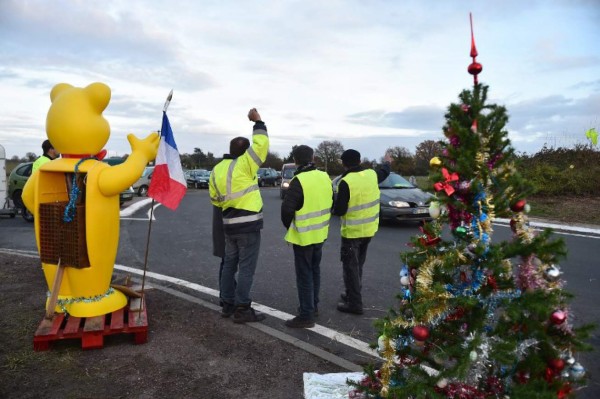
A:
[297,322]
[227,309]
[247,315]
[347,308]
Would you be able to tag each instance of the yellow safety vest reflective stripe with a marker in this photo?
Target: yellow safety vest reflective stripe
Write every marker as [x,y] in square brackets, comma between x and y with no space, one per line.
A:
[232,190]
[362,217]
[311,222]
[233,182]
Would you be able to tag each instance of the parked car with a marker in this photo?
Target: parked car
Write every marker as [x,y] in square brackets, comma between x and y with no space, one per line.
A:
[267,177]
[16,180]
[142,184]
[287,173]
[399,200]
[197,178]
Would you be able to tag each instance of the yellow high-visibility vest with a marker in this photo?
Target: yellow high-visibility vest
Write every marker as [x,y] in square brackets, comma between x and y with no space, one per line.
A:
[311,222]
[233,182]
[362,217]
[39,162]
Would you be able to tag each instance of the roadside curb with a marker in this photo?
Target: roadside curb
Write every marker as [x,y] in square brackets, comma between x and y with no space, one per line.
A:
[543,224]
[338,361]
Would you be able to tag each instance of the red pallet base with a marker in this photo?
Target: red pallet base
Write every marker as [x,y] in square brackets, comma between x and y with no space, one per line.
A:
[92,330]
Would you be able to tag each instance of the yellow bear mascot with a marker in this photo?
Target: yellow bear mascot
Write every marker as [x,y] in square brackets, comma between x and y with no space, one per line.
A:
[76,128]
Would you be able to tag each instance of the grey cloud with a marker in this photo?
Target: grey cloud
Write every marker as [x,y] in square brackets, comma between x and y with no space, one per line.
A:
[415,118]
[593,85]
[554,113]
[6,73]
[79,37]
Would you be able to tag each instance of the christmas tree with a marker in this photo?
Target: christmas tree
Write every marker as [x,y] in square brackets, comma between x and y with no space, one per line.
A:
[478,319]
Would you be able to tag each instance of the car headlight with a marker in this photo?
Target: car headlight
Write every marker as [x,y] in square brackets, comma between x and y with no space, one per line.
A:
[399,204]
[286,184]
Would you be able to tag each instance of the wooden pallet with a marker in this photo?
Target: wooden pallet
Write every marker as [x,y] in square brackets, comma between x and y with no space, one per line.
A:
[92,330]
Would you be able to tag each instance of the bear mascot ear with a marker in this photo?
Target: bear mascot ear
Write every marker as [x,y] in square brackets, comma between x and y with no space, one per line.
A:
[99,95]
[57,89]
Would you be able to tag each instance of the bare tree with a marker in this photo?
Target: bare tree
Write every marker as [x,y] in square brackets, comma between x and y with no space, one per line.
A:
[290,157]
[423,154]
[403,161]
[273,161]
[328,153]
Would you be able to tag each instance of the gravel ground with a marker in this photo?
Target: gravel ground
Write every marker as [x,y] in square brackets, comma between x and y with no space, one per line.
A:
[191,352]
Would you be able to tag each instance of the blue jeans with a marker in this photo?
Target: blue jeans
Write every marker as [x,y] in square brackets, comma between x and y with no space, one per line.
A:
[241,256]
[307,260]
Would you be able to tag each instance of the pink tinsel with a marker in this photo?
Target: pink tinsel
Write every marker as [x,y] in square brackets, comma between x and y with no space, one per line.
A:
[461,391]
[527,276]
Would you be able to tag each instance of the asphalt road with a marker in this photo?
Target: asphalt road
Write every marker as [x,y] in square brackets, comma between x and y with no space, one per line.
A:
[181,246]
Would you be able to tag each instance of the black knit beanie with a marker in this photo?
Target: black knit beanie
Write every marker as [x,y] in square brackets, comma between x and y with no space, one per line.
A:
[350,158]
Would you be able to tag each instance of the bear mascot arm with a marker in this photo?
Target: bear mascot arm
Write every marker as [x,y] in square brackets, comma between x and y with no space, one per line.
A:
[115,179]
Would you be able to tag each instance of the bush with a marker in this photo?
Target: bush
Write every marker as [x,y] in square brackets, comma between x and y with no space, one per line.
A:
[563,171]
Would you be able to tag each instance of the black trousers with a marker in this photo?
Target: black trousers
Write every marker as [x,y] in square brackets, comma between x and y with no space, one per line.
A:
[353,256]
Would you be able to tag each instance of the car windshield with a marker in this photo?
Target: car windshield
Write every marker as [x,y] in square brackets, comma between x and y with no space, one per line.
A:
[288,173]
[147,171]
[395,181]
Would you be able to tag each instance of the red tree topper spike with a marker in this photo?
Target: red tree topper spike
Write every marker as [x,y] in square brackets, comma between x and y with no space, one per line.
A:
[473,48]
[475,68]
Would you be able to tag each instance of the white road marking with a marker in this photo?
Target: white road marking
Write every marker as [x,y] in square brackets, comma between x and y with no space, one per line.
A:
[558,228]
[324,331]
[133,208]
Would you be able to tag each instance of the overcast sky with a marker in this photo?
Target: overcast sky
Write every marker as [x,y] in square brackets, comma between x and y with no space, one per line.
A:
[371,74]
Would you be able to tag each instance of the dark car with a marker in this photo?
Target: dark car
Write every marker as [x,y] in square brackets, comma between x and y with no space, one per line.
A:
[197,178]
[267,177]
[399,200]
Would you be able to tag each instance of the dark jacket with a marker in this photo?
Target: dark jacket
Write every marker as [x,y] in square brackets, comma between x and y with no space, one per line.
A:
[340,206]
[218,234]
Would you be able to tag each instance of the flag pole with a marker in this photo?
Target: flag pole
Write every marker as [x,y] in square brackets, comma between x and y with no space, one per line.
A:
[167,103]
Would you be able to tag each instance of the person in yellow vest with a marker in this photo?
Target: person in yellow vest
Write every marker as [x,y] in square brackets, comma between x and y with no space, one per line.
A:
[233,187]
[49,154]
[357,203]
[305,213]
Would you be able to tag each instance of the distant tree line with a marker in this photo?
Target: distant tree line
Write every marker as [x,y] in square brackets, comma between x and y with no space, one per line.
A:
[552,171]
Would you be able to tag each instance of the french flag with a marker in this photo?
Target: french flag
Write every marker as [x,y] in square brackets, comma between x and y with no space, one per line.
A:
[168,184]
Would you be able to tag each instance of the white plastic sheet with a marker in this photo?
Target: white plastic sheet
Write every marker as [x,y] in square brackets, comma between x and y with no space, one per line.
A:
[329,386]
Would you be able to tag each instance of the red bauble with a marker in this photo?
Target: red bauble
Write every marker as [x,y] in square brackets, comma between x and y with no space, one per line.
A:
[513,225]
[420,333]
[564,391]
[518,206]
[475,68]
[558,317]
[557,365]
